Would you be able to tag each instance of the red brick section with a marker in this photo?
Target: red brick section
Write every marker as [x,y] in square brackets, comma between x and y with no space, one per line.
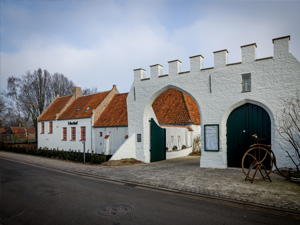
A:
[54,108]
[82,103]
[21,130]
[175,107]
[115,114]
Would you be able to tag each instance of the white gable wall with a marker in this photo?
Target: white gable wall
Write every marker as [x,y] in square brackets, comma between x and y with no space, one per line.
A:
[111,144]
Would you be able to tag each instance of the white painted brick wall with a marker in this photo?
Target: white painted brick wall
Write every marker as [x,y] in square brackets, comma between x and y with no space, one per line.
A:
[54,140]
[116,139]
[273,79]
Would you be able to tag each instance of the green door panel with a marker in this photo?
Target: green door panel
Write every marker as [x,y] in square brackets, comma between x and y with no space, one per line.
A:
[157,142]
[242,123]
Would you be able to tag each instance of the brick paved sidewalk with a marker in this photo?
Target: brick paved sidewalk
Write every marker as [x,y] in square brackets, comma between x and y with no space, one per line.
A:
[184,174]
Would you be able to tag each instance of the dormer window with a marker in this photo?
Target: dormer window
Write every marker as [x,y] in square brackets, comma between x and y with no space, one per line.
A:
[77,111]
[87,109]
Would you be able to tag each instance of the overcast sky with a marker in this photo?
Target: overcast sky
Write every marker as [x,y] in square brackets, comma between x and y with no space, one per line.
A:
[98,43]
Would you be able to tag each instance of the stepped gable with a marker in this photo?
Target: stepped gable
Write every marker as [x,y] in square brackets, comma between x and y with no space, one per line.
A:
[54,108]
[83,106]
[175,107]
[115,114]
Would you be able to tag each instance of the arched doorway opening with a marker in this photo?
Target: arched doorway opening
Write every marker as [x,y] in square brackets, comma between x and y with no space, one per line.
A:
[242,123]
[178,115]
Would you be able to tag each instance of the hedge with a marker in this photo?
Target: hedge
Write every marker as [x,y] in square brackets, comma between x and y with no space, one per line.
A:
[70,155]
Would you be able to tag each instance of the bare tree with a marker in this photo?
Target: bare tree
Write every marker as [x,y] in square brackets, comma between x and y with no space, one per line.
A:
[289,128]
[87,91]
[61,85]
[34,92]
[14,86]
[2,109]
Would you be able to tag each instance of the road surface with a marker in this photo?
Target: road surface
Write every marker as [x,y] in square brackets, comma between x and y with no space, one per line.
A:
[34,195]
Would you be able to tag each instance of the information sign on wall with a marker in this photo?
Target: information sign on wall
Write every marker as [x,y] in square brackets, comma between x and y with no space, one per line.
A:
[211,136]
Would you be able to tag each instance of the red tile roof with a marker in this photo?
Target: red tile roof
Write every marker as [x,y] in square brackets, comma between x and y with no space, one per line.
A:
[21,130]
[83,106]
[55,107]
[2,131]
[115,114]
[171,107]
[192,109]
[175,107]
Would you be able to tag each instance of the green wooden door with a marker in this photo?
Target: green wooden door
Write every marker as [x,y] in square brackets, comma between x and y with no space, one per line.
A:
[242,123]
[157,142]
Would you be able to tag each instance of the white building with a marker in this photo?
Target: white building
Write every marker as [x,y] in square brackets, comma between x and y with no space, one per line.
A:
[226,95]
[99,121]
[67,123]
[233,101]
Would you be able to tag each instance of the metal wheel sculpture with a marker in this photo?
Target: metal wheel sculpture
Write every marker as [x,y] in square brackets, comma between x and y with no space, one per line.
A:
[258,160]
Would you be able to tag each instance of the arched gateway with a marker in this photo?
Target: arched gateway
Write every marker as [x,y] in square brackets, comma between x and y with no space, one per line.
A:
[215,90]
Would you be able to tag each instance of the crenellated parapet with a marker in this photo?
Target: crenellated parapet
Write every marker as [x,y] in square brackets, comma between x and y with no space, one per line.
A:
[280,47]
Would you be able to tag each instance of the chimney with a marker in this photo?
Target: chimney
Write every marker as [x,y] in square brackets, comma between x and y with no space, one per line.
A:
[156,70]
[139,74]
[281,46]
[174,67]
[196,63]
[77,92]
[220,58]
[248,53]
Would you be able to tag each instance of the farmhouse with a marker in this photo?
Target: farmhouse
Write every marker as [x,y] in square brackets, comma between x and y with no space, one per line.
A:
[98,122]
[234,101]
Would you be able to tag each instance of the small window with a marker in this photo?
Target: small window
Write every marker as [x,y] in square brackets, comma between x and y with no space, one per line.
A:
[139,137]
[64,134]
[246,82]
[78,110]
[50,127]
[73,133]
[42,127]
[100,134]
[82,132]
[87,109]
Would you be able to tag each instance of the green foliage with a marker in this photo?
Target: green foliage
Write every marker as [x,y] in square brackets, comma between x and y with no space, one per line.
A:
[70,155]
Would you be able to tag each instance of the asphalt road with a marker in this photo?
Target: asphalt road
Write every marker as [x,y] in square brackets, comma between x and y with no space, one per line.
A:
[34,195]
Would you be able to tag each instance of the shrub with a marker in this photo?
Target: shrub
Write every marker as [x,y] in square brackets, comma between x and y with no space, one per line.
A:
[71,155]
